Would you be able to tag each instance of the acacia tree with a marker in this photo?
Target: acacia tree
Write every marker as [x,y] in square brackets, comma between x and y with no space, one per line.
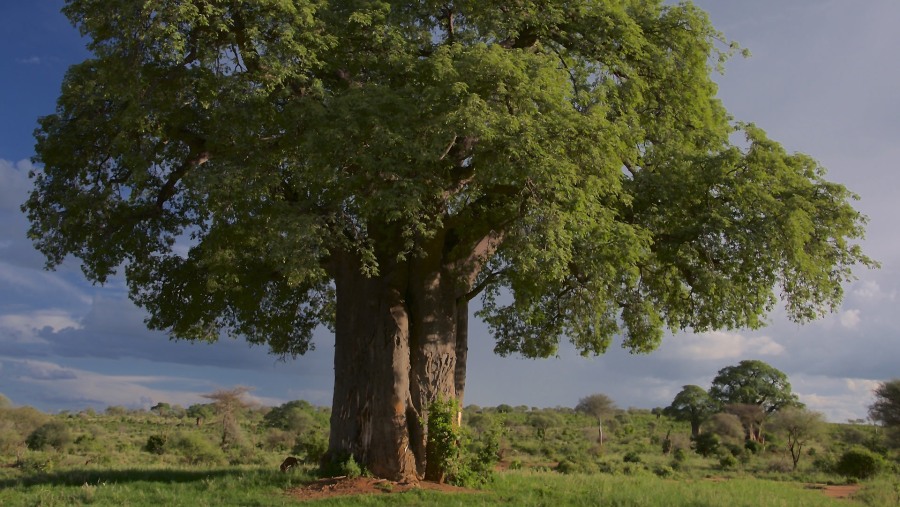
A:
[799,426]
[598,406]
[264,167]
[692,404]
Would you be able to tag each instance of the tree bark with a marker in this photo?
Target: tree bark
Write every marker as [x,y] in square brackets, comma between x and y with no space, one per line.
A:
[372,414]
[400,343]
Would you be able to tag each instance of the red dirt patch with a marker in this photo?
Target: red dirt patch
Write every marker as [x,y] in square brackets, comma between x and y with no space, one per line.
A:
[839,492]
[342,486]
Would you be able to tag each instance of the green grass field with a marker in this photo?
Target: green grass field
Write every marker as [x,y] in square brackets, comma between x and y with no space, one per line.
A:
[549,457]
[253,486]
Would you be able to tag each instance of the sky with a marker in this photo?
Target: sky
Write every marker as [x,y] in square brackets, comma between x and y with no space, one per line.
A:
[822,80]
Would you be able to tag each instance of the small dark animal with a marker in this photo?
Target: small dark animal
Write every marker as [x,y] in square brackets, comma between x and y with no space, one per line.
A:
[289,463]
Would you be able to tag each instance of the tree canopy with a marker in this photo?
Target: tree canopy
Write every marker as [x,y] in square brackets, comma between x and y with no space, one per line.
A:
[754,383]
[886,407]
[224,152]
[692,404]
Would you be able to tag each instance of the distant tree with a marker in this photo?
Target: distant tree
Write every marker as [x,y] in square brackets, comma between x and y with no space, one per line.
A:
[799,426]
[597,406]
[296,416]
[162,409]
[886,408]
[542,421]
[727,427]
[692,404]
[5,402]
[751,417]
[753,382]
[228,403]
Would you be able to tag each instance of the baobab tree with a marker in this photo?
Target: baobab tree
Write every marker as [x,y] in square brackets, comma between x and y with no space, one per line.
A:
[261,168]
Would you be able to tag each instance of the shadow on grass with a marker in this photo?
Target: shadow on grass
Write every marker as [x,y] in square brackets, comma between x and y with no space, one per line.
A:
[80,477]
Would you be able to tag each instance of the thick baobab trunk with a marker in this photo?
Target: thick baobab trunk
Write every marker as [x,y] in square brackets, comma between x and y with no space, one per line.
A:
[400,344]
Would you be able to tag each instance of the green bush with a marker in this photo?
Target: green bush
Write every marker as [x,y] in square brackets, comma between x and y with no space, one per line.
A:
[631,457]
[859,463]
[156,444]
[705,444]
[312,447]
[728,461]
[195,448]
[53,434]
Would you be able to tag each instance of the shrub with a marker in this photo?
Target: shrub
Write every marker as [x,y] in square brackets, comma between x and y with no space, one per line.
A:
[195,448]
[706,444]
[312,447]
[53,434]
[664,471]
[156,444]
[631,457]
[752,446]
[728,461]
[859,463]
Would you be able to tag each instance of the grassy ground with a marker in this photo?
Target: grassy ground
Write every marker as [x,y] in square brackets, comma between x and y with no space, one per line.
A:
[245,486]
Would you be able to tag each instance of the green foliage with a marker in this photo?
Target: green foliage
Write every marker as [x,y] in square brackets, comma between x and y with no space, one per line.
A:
[54,434]
[691,404]
[886,407]
[16,424]
[156,444]
[705,444]
[195,448]
[859,463]
[728,461]
[632,457]
[311,447]
[753,382]
[458,458]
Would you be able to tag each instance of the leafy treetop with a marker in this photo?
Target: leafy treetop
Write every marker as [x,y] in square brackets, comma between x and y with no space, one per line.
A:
[570,154]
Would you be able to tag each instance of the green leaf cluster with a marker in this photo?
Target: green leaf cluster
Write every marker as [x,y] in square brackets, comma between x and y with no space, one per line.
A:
[569,161]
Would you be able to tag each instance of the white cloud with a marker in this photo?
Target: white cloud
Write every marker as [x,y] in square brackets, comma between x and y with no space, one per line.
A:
[840,399]
[99,390]
[26,326]
[849,318]
[718,345]
[871,290]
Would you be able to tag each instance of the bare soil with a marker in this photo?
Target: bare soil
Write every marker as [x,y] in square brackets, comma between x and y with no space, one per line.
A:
[844,491]
[343,486]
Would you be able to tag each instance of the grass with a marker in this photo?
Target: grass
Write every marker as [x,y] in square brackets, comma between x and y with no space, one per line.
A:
[245,486]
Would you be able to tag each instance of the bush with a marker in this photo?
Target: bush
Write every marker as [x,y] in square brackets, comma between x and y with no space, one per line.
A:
[53,434]
[665,472]
[156,444]
[195,449]
[312,447]
[631,457]
[859,463]
[706,444]
[728,461]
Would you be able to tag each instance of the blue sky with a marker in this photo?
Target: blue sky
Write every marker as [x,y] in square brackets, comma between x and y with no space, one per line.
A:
[822,80]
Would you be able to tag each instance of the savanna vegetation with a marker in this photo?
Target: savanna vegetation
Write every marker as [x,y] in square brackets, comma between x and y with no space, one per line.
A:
[228,452]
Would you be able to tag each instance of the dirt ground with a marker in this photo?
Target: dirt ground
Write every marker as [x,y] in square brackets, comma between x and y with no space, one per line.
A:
[342,486]
[837,491]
